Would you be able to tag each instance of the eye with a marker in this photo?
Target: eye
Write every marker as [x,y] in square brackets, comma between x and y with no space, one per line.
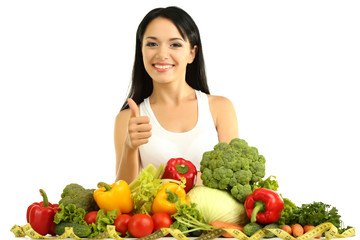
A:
[176,45]
[151,44]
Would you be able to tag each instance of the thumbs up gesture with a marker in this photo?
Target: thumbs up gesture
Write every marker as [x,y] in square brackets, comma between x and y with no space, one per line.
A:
[139,127]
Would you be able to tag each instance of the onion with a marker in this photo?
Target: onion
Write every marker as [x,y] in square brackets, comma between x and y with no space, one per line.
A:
[217,205]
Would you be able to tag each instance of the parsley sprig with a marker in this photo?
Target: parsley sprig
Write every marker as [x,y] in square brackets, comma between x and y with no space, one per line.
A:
[317,213]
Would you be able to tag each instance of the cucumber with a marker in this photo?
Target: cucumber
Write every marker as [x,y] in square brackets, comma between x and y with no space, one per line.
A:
[270,234]
[80,230]
[251,228]
[196,233]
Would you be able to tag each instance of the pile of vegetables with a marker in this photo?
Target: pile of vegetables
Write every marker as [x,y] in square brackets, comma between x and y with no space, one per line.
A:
[234,196]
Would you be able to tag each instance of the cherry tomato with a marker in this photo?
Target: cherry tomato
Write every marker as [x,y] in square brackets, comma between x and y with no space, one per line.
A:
[161,220]
[91,217]
[121,223]
[140,225]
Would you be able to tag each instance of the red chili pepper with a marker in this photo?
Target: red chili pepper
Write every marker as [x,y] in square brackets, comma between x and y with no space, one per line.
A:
[40,215]
[264,206]
[179,167]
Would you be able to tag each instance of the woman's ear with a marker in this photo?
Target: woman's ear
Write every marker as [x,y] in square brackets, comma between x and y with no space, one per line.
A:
[193,53]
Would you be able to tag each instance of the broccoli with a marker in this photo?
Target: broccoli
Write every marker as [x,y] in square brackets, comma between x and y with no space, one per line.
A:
[82,198]
[233,167]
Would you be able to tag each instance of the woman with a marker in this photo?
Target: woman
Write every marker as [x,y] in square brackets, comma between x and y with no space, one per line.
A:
[169,112]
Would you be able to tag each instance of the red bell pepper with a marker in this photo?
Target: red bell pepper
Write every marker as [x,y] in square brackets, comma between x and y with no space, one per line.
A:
[179,167]
[264,206]
[40,215]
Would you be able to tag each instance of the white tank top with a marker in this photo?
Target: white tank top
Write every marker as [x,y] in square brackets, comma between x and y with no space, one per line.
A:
[164,145]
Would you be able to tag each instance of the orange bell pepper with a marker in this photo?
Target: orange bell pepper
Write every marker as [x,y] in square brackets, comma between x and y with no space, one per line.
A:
[166,199]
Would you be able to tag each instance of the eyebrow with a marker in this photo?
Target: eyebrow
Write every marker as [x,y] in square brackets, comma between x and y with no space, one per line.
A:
[171,39]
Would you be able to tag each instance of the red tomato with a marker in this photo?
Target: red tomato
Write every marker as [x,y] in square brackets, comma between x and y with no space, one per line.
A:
[121,223]
[140,225]
[161,220]
[91,217]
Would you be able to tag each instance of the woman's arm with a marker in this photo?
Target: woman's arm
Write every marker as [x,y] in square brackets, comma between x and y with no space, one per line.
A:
[127,159]
[130,132]
[224,117]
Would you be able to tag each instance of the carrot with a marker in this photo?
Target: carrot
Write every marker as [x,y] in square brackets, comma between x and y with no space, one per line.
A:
[220,224]
[308,228]
[287,229]
[297,230]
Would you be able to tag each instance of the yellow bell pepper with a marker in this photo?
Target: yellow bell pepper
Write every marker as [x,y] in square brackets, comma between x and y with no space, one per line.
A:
[116,196]
[167,197]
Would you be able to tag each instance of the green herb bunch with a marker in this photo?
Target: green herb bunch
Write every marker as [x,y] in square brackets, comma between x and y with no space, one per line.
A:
[317,213]
[189,220]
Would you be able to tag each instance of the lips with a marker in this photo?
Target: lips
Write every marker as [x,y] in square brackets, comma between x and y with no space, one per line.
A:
[163,67]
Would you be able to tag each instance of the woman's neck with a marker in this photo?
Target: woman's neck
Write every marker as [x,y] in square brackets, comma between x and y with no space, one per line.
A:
[171,94]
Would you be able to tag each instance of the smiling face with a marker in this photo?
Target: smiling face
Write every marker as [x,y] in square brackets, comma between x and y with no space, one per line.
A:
[165,52]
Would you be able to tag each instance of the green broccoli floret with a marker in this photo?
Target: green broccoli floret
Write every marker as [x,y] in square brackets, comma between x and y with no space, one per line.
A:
[240,192]
[243,176]
[233,167]
[81,197]
[222,172]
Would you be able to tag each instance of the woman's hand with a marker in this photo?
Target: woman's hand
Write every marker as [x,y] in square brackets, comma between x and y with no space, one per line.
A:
[139,127]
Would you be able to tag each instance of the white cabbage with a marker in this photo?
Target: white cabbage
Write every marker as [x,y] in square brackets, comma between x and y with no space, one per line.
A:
[217,205]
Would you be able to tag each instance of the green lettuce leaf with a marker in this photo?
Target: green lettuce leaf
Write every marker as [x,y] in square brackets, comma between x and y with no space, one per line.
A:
[71,214]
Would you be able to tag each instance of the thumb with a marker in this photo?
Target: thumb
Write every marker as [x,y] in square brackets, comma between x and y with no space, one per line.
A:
[133,107]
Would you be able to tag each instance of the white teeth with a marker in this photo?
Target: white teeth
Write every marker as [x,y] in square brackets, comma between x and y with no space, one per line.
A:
[163,66]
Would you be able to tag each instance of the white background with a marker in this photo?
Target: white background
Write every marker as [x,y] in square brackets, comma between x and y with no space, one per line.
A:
[291,69]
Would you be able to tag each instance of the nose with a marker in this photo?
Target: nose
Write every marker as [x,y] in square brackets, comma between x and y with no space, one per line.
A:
[163,52]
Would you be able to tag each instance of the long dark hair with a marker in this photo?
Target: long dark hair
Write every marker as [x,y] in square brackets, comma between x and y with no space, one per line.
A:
[141,84]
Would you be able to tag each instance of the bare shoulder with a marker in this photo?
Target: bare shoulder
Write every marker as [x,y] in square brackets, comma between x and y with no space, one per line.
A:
[219,103]
[224,116]
[122,117]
